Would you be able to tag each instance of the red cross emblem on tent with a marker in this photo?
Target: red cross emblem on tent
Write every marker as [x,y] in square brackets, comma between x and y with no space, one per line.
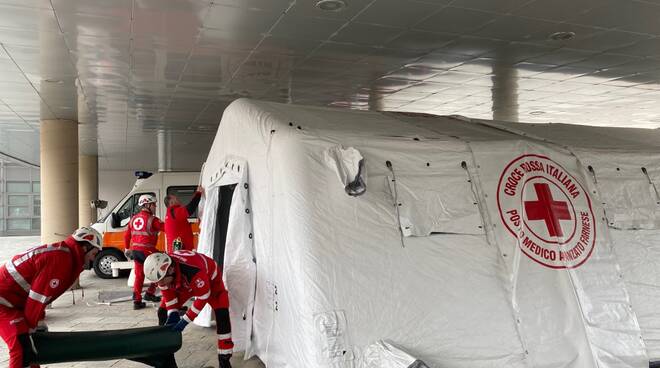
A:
[547,209]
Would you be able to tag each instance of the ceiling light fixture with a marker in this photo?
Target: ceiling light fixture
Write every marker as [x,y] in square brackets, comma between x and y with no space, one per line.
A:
[537,112]
[58,81]
[562,36]
[331,5]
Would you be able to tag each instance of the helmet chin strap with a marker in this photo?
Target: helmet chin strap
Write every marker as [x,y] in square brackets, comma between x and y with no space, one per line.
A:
[85,245]
[88,265]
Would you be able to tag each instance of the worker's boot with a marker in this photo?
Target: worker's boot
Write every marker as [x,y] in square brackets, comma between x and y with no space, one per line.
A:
[223,360]
[151,297]
[139,305]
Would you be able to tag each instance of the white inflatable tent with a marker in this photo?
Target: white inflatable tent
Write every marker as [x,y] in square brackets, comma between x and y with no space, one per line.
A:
[476,243]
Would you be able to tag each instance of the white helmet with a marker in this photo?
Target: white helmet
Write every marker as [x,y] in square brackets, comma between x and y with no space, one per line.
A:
[145,199]
[156,265]
[89,235]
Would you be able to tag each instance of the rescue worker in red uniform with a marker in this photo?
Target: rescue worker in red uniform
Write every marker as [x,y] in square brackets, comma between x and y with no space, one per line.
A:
[32,280]
[140,241]
[183,275]
[178,232]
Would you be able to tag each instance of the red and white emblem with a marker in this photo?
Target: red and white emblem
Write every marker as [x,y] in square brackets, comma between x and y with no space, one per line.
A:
[199,283]
[138,223]
[54,283]
[548,211]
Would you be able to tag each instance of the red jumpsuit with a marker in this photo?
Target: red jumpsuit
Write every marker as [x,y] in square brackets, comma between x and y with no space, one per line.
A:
[141,237]
[29,282]
[177,225]
[198,276]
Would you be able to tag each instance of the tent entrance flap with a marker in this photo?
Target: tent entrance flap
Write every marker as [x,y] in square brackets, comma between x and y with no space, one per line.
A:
[222,222]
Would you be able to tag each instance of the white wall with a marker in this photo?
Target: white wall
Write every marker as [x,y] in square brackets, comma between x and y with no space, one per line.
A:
[113,186]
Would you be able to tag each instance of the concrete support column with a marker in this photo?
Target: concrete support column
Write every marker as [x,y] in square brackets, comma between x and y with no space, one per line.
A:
[59,179]
[164,151]
[88,188]
[504,93]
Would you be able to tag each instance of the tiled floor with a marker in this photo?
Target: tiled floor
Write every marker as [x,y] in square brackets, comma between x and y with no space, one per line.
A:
[199,346]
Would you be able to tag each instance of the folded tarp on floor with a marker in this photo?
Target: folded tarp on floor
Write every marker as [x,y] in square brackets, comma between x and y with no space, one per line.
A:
[153,346]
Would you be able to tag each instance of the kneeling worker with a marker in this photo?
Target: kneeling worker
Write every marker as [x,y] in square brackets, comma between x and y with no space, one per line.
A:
[32,280]
[182,275]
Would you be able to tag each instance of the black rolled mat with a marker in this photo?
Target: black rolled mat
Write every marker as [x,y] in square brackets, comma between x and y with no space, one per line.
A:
[153,346]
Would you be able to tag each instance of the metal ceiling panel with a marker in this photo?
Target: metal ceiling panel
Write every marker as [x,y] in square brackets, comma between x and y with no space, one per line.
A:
[117,8]
[473,46]
[135,66]
[517,52]
[21,18]
[514,28]
[309,9]
[440,61]
[455,77]
[608,40]
[397,13]
[392,57]
[343,51]
[455,20]
[562,57]
[75,24]
[315,28]
[413,73]
[270,5]
[422,41]
[500,6]
[557,10]
[367,34]
[603,61]
[275,45]
[228,40]
[234,19]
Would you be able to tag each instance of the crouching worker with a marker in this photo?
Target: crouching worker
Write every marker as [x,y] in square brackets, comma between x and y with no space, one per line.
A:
[32,280]
[140,240]
[183,275]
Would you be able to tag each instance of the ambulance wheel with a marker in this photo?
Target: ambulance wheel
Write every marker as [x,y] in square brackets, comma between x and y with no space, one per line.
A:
[103,262]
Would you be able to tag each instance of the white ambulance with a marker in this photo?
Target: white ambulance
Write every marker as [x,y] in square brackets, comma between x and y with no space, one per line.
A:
[113,225]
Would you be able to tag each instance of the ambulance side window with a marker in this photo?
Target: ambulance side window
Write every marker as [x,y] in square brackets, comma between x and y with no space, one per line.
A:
[126,210]
[129,208]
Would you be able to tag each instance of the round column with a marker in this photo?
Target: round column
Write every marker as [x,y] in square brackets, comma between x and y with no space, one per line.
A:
[88,188]
[504,93]
[59,179]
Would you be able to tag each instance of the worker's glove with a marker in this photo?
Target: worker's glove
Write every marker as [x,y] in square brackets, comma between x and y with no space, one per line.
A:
[41,327]
[129,254]
[179,326]
[172,319]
